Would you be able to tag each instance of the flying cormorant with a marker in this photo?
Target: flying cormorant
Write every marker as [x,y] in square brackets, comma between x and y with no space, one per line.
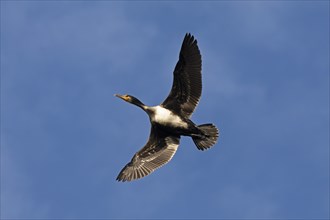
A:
[171,119]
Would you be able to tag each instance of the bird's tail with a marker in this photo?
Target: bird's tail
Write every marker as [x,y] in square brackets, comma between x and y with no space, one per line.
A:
[208,138]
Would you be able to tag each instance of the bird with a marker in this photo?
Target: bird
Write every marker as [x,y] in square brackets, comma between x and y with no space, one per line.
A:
[171,119]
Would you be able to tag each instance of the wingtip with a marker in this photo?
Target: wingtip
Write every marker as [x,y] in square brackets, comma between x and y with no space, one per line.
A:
[119,179]
[189,35]
[189,38]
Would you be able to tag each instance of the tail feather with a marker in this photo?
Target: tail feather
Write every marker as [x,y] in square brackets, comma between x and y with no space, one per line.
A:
[208,138]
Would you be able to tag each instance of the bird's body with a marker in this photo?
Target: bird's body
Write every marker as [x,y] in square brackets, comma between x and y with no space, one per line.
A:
[166,117]
[171,122]
[171,119]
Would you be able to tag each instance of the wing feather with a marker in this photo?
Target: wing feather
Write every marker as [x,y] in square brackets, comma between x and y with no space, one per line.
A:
[187,79]
[158,151]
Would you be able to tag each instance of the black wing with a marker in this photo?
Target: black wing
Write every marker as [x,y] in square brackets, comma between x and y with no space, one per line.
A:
[187,83]
[158,151]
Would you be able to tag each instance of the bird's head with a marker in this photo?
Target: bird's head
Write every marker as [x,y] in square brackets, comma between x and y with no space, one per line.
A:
[130,99]
[126,98]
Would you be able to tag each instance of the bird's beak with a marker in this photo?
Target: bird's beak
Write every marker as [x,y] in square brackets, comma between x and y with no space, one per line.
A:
[123,97]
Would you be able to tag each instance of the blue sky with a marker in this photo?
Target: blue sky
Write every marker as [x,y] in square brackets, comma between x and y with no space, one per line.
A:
[65,137]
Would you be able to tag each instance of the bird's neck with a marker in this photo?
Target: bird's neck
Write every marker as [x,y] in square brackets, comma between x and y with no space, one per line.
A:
[138,103]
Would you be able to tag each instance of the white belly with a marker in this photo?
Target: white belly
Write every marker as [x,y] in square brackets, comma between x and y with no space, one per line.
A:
[166,117]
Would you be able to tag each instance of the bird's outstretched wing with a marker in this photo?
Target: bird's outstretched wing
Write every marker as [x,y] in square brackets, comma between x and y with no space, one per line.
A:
[187,82]
[158,151]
